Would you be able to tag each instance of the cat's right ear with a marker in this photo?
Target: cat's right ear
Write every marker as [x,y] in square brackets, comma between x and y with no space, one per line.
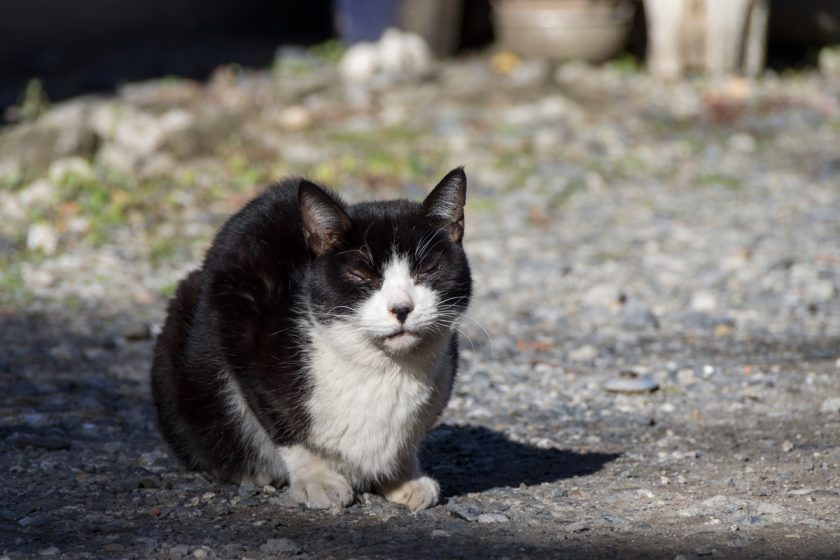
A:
[446,202]
[325,223]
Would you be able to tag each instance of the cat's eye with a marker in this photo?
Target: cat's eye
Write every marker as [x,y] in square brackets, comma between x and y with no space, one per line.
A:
[428,266]
[360,275]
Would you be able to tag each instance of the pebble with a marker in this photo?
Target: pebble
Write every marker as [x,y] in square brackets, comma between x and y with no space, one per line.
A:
[493,518]
[830,405]
[49,551]
[585,353]
[246,489]
[631,383]
[42,237]
[637,316]
[281,546]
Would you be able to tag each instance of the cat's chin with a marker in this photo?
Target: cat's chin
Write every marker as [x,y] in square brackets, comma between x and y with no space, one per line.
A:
[401,342]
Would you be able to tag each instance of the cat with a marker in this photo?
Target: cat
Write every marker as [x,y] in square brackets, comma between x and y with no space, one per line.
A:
[317,344]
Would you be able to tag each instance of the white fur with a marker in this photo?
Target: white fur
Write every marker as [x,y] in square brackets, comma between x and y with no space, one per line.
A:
[370,409]
[270,465]
[399,289]
[371,402]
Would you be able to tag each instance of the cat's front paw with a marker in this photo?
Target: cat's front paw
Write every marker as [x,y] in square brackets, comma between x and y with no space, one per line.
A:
[326,492]
[418,493]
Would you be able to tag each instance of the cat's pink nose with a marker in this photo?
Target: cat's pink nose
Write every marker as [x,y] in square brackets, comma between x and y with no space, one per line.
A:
[401,311]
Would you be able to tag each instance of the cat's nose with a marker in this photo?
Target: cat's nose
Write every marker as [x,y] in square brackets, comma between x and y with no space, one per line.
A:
[401,311]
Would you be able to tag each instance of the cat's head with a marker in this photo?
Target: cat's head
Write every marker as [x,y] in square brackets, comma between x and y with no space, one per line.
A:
[394,272]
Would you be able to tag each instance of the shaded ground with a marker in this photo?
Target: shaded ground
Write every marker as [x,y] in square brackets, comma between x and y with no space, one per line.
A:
[686,232]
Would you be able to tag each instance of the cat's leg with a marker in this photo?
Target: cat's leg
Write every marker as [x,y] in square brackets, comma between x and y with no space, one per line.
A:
[312,481]
[411,487]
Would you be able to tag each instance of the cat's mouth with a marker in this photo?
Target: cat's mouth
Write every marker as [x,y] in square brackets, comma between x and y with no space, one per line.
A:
[401,339]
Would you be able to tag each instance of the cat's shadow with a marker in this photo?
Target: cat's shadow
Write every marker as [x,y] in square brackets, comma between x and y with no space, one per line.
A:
[474,458]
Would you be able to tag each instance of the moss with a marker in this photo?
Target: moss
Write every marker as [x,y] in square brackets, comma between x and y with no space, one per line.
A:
[33,101]
[718,179]
[13,290]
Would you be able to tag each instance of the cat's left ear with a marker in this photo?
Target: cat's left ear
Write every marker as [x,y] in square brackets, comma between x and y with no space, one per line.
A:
[325,223]
[446,202]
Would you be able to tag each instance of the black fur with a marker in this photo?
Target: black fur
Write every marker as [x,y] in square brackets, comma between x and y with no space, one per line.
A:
[296,247]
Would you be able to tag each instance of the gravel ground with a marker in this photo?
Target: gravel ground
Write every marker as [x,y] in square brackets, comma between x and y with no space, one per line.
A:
[651,365]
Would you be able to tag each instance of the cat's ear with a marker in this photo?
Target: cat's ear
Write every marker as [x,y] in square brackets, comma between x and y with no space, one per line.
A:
[446,202]
[325,223]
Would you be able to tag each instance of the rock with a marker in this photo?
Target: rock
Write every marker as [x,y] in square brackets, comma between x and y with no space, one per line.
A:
[32,521]
[397,55]
[585,353]
[64,131]
[631,382]
[281,546]
[42,237]
[137,330]
[493,518]
[50,551]
[741,142]
[76,168]
[636,315]
[787,446]
[830,405]
[38,194]
[201,553]
[246,489]
[295,117]
[178,551]
[462,511]
[602,295]
[440,533]
[703,300]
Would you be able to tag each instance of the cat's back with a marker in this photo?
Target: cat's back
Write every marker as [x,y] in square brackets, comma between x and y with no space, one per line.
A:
[270,225]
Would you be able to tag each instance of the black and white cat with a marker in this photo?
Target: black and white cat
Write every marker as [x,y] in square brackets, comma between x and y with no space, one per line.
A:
[316,345]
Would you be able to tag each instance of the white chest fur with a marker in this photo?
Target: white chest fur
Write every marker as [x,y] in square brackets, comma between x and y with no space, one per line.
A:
[369,410]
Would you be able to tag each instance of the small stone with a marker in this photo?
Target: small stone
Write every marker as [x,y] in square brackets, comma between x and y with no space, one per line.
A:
[50,551]
[741,142]
[137,330]
[42,237]
[704,550]
[246,489]
[149,482]
[440,534]
[76,168]
[280,546]
[703,300]
[585,353]
[39,193]
[464,512]
[787,446]
[207,496]
[31,521]
[178,551]
[295,117]
[269,489]
[831,405]
[631,382]
[636,315]
[200,554]
[493,518]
